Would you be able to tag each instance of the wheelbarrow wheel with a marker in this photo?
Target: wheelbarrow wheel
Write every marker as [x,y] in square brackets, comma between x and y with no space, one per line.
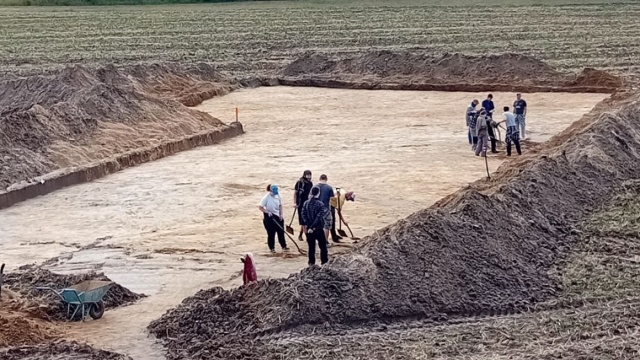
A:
[96,310]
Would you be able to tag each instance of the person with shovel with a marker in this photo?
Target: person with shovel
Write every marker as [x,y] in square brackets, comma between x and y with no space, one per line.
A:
[337,203]
[273,221]
[314,215]
[326,193]
[300,196]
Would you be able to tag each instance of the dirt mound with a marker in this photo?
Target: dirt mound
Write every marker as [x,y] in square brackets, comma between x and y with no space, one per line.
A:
[591,77]
[445,66]
[19,330]
[28,278]
[451,71]
[81,115]
[63,350]
[486,249]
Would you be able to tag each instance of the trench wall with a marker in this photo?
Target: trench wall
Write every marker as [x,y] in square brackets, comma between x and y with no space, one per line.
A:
[77,175]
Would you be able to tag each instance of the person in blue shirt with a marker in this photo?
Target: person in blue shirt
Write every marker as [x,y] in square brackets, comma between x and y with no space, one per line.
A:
[488,106]
[326,193]
[520,111]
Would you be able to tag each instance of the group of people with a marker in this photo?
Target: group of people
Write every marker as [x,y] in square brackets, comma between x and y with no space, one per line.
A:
[482,127]
[316,207]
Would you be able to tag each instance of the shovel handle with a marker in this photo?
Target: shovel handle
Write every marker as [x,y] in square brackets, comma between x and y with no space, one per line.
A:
[293,216]
[289,236]
[1,275]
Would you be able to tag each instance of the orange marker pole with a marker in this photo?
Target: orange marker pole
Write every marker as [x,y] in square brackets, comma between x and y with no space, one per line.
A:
[236,114]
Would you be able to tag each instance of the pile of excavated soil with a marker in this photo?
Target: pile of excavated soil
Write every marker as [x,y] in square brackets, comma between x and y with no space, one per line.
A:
[28,278]
[63,350]
[18,325]
[17,329]
[82,115]
[460,72]
[438,66]
[485,249]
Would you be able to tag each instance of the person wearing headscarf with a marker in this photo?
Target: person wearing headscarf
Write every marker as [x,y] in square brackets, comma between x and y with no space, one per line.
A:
[482,133]
[249,273]
[273,221]
[314,214]
[301,194]
[471,117]
[335,205]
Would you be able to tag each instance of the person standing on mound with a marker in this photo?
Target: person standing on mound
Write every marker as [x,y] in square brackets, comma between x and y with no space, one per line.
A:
[273,221]
[314,215]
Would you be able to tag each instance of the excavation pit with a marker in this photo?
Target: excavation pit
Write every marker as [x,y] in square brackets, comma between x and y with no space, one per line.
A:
[176,225]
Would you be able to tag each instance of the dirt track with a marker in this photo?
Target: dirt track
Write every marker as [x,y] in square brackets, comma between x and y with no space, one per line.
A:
[172,227]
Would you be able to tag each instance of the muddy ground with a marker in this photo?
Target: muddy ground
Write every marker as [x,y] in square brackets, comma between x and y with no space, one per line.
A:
[488,249]
[179,225]
[172,227]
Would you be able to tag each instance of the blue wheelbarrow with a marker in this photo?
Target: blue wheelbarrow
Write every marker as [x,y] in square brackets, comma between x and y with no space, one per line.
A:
[82,299]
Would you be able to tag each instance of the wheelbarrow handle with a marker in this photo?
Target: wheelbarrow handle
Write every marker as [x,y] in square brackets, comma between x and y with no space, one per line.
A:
[48,288]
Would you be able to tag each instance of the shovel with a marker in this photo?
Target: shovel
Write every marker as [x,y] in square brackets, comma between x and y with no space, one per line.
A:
[288,227]
[355,239]
[341,232]
[302,252]
[1,271]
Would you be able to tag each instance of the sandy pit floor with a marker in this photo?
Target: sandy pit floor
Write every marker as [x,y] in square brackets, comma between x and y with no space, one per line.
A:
[174,226]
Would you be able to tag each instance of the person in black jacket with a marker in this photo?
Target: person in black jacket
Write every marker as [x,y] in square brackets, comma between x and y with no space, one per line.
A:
[314,213]
[300,196]
[488,106]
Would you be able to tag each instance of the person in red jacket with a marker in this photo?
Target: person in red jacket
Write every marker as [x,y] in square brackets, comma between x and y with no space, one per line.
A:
[249,273]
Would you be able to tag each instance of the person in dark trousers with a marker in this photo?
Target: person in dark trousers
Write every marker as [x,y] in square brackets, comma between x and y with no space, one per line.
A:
[482,133]
[471,116]
[326,193]
[512,131]
[273,221]
[520,111]
[488,106]
[314,214]
[301,194]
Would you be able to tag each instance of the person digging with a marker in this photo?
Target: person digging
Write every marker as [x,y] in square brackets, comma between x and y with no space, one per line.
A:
[273,221]
[337,203]
[314,214]
[300,196]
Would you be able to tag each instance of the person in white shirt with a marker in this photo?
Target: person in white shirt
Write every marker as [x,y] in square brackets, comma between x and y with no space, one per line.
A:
[273,221]
[512,130]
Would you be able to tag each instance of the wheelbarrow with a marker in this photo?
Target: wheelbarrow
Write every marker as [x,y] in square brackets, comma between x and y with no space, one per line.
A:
[82,299]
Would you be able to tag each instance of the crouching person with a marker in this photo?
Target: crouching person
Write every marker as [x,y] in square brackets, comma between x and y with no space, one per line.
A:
[314,213]
[249,274]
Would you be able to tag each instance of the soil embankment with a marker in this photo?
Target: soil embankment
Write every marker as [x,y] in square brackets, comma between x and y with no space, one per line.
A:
[406,70]
[30,318]
[485,249]
[82,117]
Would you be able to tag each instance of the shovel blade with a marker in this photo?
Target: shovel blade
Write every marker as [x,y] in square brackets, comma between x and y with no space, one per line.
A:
[342,233]
[290,230]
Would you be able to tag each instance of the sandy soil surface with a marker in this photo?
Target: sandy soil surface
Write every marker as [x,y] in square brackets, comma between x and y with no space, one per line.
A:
[174,226]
